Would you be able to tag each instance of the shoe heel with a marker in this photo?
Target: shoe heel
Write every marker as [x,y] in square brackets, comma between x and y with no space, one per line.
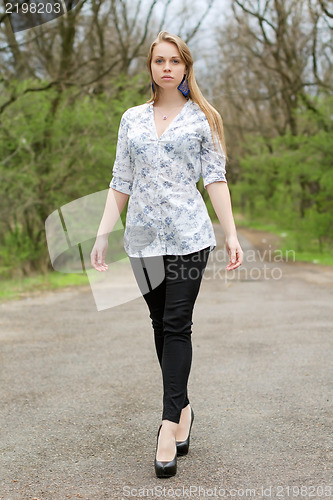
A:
[183,446]
[165,469]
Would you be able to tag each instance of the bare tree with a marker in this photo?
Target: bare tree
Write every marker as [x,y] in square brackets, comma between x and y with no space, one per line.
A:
[91,44]
[275,55]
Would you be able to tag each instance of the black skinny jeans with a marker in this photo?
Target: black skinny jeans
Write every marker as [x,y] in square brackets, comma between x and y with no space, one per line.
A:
[170,285]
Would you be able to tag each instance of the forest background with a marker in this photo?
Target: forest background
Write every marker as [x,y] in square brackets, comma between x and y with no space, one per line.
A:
[266,65]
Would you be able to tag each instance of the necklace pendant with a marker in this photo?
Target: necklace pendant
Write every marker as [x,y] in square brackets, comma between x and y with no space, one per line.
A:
[165,117]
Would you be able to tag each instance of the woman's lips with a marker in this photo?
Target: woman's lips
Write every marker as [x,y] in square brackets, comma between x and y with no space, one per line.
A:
[167,78]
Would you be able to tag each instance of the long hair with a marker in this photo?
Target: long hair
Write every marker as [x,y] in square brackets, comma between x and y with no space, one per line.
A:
[213,116]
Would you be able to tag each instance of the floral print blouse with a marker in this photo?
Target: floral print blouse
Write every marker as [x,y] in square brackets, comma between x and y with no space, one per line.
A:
[166,213]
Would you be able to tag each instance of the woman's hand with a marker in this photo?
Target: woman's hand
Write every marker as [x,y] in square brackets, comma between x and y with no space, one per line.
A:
[220,197]
[235,253]
[98,253]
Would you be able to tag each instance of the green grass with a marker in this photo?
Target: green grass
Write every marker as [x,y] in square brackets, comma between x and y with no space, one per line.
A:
[16,288]
[11,289]
[304,250]
[325,259]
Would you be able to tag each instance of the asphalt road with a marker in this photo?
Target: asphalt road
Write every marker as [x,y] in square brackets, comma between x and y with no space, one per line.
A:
[81,390]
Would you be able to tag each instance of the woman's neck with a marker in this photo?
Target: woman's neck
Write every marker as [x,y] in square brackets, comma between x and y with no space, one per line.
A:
[170,99]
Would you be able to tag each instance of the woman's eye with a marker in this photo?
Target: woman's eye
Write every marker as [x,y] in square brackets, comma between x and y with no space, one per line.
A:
[160,60]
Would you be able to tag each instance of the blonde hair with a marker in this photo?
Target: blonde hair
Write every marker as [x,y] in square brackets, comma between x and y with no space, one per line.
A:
[213,116]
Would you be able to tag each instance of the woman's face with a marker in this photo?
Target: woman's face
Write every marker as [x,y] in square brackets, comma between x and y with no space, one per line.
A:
[167,67]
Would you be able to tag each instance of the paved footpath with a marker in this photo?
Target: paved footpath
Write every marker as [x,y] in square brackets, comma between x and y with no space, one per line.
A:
[81,390]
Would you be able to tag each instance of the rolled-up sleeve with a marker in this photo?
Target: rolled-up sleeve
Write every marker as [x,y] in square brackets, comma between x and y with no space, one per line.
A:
[212,162]
[122,172]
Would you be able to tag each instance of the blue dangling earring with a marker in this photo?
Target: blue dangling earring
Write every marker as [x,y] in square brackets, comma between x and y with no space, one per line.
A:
[152,86]
[183,87]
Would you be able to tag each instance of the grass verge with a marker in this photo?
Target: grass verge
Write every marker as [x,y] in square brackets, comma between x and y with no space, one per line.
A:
[12,289]
[304,250]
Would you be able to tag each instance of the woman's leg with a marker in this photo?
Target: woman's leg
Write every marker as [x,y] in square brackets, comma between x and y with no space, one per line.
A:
[183,275]
[171,306]
[144,269]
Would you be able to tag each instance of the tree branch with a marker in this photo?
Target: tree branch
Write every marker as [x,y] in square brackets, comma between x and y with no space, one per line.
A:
[196,28]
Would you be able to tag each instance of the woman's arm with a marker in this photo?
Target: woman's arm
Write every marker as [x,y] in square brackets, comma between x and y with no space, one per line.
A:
[220,198]
[114,205]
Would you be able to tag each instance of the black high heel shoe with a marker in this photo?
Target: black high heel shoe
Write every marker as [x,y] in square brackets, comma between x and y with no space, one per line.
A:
[165,469]
[183,446]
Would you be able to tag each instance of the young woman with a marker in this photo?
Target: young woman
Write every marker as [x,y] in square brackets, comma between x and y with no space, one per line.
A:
[163,148]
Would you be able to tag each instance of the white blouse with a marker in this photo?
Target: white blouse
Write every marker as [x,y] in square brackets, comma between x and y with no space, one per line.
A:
[166,213]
